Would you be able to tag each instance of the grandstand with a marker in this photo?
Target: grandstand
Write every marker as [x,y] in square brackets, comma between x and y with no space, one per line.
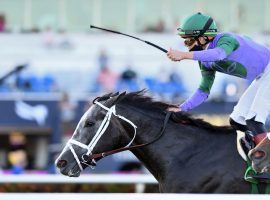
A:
[135,15]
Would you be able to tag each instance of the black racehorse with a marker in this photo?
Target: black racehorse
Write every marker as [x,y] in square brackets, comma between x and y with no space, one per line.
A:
[191,156]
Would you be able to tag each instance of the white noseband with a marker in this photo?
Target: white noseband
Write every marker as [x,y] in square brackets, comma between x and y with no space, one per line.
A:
[101,130]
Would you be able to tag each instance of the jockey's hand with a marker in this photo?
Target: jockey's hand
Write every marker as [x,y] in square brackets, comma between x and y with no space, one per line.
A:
[173,109]
[175,55]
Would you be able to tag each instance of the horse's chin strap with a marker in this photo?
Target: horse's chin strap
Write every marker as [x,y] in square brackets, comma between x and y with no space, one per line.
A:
[87,158]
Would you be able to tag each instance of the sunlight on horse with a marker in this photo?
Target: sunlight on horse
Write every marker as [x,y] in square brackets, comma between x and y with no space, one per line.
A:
[260,156]
[191,156]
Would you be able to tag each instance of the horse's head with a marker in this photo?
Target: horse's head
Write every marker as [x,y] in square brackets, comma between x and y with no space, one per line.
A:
[99,130]
[260,156]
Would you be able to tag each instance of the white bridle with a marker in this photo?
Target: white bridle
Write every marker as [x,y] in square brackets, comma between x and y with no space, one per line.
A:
[101,130]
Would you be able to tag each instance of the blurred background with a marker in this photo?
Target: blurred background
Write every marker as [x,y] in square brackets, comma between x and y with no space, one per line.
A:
[52,65]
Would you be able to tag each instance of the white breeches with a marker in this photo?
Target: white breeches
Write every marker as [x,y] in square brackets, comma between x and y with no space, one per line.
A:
[255,102]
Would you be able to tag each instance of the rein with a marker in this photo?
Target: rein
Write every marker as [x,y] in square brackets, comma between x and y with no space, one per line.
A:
[90,159]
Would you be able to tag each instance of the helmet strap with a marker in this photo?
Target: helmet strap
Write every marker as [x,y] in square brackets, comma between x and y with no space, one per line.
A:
[199,45]
[205,28]
[207,40]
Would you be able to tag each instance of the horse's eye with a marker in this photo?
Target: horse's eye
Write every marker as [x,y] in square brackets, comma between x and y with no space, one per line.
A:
[89,123]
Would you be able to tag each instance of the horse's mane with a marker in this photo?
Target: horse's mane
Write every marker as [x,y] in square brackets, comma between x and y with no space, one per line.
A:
[140,100]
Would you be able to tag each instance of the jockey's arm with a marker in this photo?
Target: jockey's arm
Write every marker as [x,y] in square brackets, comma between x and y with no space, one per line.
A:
[225,46]
[201,94]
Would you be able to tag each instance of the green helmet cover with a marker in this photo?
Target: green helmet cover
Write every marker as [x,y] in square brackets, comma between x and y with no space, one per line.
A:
[193,26]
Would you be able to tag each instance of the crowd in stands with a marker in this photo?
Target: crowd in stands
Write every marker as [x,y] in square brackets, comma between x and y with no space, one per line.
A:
[106,81]
[31,83]
[159,27]
[170,84]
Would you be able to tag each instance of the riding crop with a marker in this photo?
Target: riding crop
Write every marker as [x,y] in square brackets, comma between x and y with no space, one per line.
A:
[147,42]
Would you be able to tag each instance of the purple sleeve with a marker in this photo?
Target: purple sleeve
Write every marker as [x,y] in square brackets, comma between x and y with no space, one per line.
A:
[210,55]
[196,99]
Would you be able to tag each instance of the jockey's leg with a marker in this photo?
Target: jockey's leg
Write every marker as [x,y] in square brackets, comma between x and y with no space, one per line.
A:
[260,107]
[254,106]
[237,117]
[240,111]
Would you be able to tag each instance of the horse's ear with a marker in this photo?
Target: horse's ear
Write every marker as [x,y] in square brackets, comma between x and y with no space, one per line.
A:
[120,96]
[115,94]
[103,98]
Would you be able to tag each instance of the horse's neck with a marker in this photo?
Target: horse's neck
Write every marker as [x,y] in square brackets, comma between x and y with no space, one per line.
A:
[155,155]
[158,155]
[189,158]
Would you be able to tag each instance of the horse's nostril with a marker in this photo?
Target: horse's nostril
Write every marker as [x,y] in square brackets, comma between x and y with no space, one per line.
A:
[61,163]
[258,154]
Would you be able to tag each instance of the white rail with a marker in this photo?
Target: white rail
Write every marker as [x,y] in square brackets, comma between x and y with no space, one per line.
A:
[139,180]
[72,196]
[94,178]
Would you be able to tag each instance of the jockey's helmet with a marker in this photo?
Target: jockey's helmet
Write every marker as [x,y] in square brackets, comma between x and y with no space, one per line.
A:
[198,25]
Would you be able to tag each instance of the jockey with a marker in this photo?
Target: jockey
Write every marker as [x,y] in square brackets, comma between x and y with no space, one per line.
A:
[231,54]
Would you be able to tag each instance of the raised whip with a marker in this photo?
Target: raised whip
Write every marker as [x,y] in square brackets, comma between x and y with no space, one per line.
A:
[117,32]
